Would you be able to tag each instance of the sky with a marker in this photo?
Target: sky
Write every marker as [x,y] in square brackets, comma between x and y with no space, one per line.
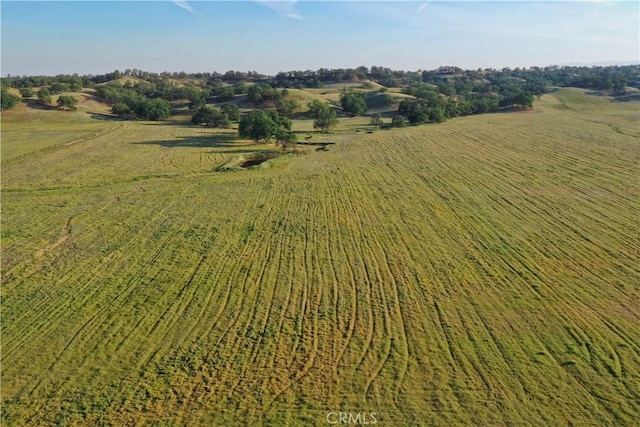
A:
[96,37]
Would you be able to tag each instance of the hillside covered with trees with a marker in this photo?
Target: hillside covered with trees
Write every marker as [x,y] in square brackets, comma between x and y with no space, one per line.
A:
[431,96]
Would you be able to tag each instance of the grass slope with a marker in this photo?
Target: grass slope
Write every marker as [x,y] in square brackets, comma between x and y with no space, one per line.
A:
[478,272]
[26,130]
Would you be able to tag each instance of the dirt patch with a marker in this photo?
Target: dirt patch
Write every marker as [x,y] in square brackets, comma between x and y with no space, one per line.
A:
[247,161]
[255,162]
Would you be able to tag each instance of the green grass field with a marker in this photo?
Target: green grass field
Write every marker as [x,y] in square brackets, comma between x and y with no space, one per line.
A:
[483,271]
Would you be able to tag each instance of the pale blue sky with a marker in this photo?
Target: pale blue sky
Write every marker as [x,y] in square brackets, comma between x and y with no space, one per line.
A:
[63,37]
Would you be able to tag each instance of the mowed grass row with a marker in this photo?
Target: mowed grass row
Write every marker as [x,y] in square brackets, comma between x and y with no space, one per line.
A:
[482,271]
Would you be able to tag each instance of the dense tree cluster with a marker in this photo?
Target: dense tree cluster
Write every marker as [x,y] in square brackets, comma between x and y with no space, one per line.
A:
[58,87]
[436,102]
[8,100]
[232,111]
[164,89]
[601,78]
[130,102]
[479,98]
[354,103]
[223,93]
[240,88]
[420,111]
[262,92]
[263,125]
[211,117]
[44,96]
[67,102]
[26,92]
[151,109]
[436,108]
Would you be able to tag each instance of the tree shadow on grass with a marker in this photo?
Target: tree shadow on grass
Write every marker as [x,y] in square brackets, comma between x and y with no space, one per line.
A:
[187,124]
[38,105]
[174,123]
[627,98]
[210,141]
[107,117]
[221,143]
[315,143]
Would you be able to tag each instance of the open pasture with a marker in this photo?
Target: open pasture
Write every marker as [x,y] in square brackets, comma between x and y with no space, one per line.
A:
[483,271]
[27,130]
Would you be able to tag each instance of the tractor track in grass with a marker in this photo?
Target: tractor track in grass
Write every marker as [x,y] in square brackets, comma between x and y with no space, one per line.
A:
[226,341]
[227,269]
[302,357]
[381,297]
[131,285]
[337,212]
[338,253]
[260,316]
[275,359]
[66,295]
[271,384]
[89,326]
[403,342]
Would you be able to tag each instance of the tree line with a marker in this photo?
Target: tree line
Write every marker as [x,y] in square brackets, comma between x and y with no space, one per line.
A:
[441,93]
[599,77]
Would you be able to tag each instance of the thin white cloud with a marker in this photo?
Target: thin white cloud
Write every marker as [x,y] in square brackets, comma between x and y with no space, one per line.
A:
[423,6]
[293,16]
[284,8]
[186,6]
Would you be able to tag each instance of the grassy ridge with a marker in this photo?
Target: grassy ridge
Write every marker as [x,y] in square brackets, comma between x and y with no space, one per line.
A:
[482,271]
